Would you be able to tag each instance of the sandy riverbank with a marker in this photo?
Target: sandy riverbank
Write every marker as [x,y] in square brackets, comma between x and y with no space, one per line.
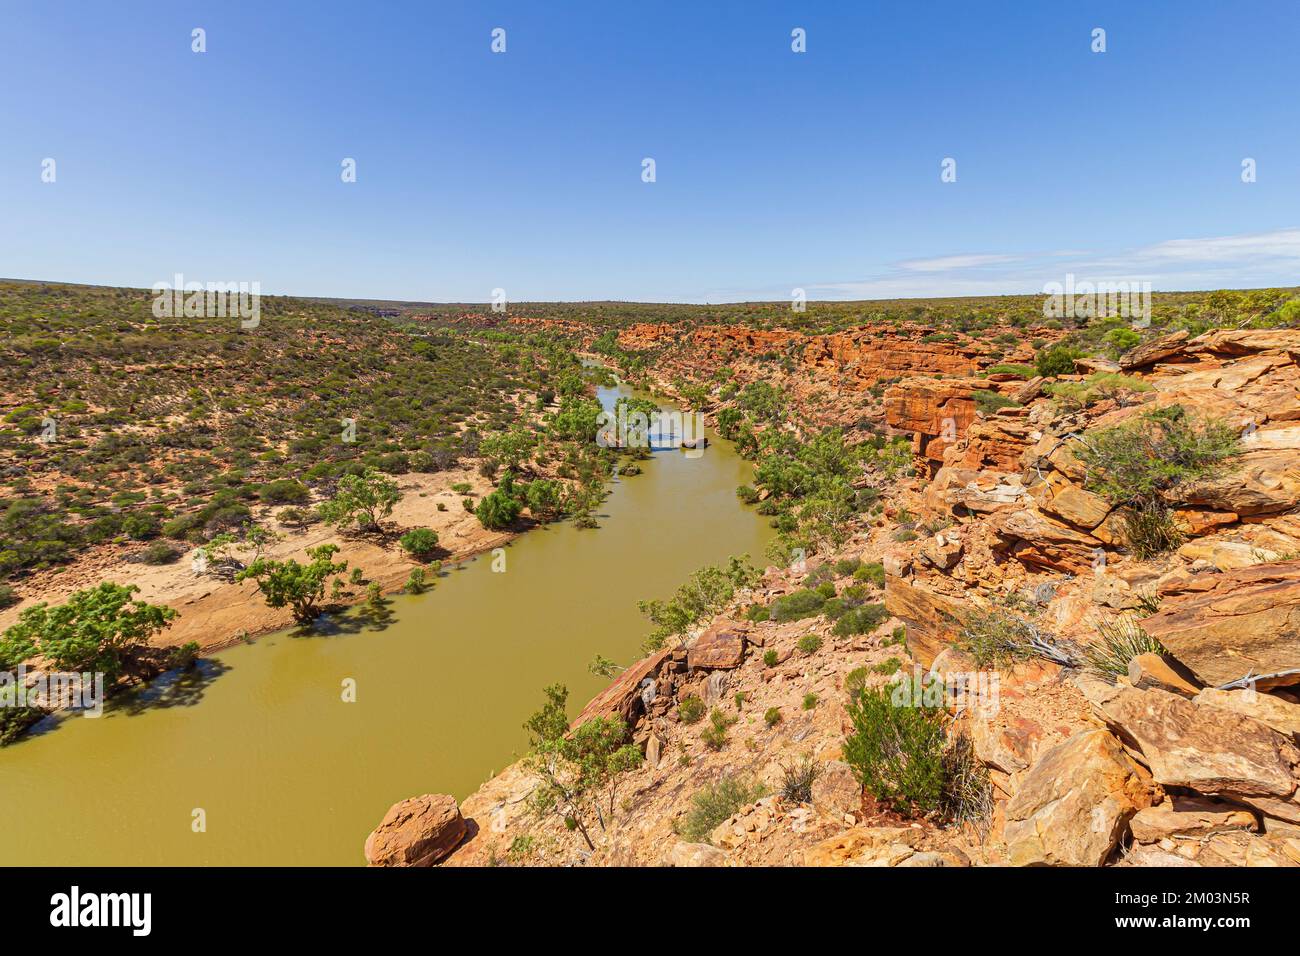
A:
[218,614]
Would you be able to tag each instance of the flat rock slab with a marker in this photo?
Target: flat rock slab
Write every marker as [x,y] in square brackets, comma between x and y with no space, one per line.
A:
[1225,626]
[1208,749]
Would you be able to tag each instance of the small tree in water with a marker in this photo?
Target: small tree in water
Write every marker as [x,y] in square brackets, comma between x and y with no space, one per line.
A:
[579,770]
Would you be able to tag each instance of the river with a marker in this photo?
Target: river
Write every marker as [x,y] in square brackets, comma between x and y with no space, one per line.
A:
[261,747]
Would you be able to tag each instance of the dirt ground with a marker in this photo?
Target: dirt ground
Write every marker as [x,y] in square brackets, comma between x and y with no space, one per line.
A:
[216,613]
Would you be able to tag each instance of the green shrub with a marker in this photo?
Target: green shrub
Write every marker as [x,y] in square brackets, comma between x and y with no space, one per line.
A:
[855,680]
[772,716]
[988,402]
[715,803]
[1056,360]
[756,613]
[847,566]
[1020,371]
[860,620]
[770,657]
[797,605]
[497,511]
[896,752]
[888,667]
[284,491]
[8,597]
[691,710]
[715,735]
[810,644]
[1072,396]
[995,638]
[159,552]
[871,573]
[415,581]
[1136,464]
[419,542]
[809,701]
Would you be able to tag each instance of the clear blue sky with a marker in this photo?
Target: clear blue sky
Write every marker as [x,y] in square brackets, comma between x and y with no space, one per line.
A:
[523,170]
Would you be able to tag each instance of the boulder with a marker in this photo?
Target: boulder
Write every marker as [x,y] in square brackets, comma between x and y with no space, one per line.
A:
[623,698]
[1034,539]
[1207,749]
[1245,849]
[1156,350]
[1260,482]
[419,831]
[942,551]
[1156,670]
[721,647]
[1074,803]
[1010,745]
[1077,507]
[1226,626]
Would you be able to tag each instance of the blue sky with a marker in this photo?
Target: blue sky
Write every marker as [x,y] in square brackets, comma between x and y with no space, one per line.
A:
[774,169]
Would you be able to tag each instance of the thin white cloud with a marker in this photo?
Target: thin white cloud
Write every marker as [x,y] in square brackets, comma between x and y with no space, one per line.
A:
[1280,244]
[1249,260]
[949,263]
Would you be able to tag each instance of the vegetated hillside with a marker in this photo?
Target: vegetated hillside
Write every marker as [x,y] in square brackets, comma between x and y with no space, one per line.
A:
[377,446]
[1042,609]
[964,314]
[157,419]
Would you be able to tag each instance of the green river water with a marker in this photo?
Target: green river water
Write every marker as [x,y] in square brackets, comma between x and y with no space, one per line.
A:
[287,773]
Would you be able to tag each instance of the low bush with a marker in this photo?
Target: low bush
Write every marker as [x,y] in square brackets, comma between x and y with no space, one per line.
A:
[1137,464]
[691,710]
[419,542]
[896,752]
[1118,642]
[860,620]
[715,803]
[810,644]
[797,605]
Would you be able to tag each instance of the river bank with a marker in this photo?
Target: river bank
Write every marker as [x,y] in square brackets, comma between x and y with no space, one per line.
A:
[288,771]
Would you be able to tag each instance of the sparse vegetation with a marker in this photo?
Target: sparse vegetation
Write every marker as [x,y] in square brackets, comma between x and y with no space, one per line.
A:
[714,804]
[1137,465]
[1118,642]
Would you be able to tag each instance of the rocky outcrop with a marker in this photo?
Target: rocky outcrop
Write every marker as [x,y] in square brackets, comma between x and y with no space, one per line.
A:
[1074,804]
[1227,626]
[932,619]
[1189,817]
[420,831]
[1207,749]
